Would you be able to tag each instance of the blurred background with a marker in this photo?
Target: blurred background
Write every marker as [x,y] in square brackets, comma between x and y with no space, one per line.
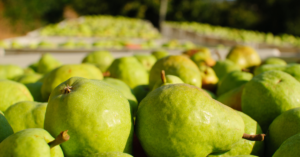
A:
[276,16]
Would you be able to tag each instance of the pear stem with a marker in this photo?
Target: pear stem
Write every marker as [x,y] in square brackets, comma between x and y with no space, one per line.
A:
[258,137]
[67,89]
[163,77]
[61,138]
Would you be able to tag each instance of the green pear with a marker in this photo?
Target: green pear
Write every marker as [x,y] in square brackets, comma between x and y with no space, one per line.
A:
[244,146]
[167,79]
[129,70]
[284,126]
[111,154]
[46,45]
[176,65]
[183,120]
[292,69]
[5,127]
[26,114]
[233,80]
[140,92]
[28,78]
[268,95]
[29,70]
[221,68]
[289,148]
[10,71]
[201,55]
[68,45]
[29,143]
[12,92]
[276,61]
[35,90]
[61,74]
[34,66]
[16,45]
[102,59]
[232,98]
[126,91]
[96,114]
[158,54]
[47,63]
[244,56]
[209,78]
[146,60]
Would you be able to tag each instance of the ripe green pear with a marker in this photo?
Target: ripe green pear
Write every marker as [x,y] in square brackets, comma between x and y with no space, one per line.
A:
[244,146]
[284,126]
[177,65]
[232,98]
[146,60]
[167,79]
[209,78]
[158,54]
[289,148]
[244,56]
[29,78]
[26,114]
[97,116]
[29,143]
[126,91]
[292,69]
[183,120]
[129,70]
[268,95]
[233,80]
[5,128]
[61,74]
[200,55]
[221,68]
[140,92]
[9,71]
[102,59]
[47,63]
[12,92]
[276,61]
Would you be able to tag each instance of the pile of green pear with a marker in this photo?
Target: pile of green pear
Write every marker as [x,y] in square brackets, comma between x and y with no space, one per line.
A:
[151,105]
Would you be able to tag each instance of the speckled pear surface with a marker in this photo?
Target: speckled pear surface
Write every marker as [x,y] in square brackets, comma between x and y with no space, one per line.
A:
[125,90]
[292,69]
[182,120]
[12,92]
[268,95]
[233,80]
[129,70]
[96,114]
[244,56]
[102,59]
[5,128]
[26,114]
[29,143]
[61,74]
[289,148]
[246,147]
[177,65]
[284,126]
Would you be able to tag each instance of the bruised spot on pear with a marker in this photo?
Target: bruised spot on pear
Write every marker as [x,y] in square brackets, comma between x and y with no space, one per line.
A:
[61,138]
[106,74]
[67,89]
